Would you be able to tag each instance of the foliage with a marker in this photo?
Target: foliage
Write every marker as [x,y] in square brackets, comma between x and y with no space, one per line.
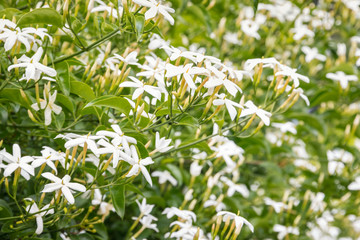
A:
[203,120]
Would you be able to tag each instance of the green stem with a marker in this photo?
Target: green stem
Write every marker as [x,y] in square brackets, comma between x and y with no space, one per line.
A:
[88,48]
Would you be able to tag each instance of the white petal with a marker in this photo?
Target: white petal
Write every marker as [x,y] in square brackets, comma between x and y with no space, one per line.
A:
[51,177]
[40,225]
[51,187]
[77,187]
[68,195]
[10,169]
[151,12]
[146,174]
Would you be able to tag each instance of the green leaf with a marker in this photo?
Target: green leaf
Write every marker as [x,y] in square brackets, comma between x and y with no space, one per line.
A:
[166,111]
[9,13]
[117,193]
[5,210]
[82,90]
[118,103]
[65,101]
[14,95]
[107,28]
[64,77]
[139,26]
[76,25]
[176,172]
[134,189]
[59,121]
[188,120]
[142,150]
[41,15]
[255,5]
[310,120]
[324,95]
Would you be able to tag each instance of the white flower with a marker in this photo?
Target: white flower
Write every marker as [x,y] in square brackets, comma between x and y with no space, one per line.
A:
[146,221]
[187,71]
[186,232]
[239,221]
[175,53]
[129,59]
[240,188]
[284,231]
[301,31]
[232,38]
[47,158]
[299,91]
[11,37]
[116,150]
[139,164]
[118,137]
[286,127]
[141,88]
[41,32]
[312,53]
[15,161]
[183,214]
[195,169]
[355,186]
[164,176]
[104,207]
[267,62]
[63,184]
[278,206]
[219,206]
[162,144]
[79,140]
[6,23]
[39,214]
[34,68]
[155,8]
[230,105]
[317,202]
[252,109]
[145,209]
[291,72]
[342,78]
[341,49]
[48,104]
[250,28]
[103,7]
[337,158]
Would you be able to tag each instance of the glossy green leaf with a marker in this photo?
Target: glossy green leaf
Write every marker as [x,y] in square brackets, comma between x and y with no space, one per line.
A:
[139,26]
[166,111]
[8,13]
[14,95]
[188,120]
[118,103]
[117,193]
[41,15]
[142,150]
[82,90]
[65,101]
[63,78]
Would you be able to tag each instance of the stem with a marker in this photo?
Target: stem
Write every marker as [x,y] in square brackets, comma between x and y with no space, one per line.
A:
[88,48]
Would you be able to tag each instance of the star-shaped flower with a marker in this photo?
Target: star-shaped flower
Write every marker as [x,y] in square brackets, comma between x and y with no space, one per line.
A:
[155,8]
[15,161]
[252,109]
[34,68]
[342,78]
[64,185]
